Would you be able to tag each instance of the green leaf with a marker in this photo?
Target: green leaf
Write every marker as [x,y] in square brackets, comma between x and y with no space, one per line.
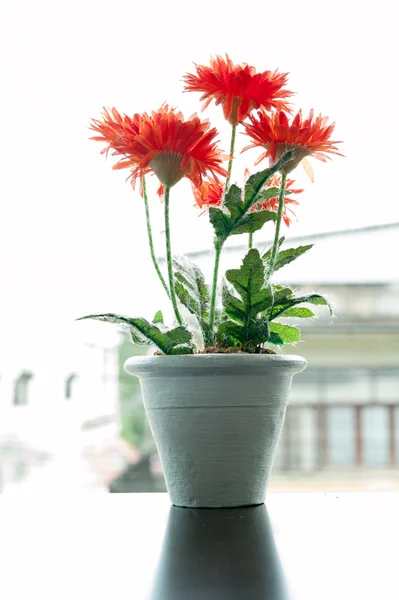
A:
[254,221]
[286,256]
[298,313]
[249,281]
[230,334]
[233,201]
[259,331]
[283,334]
[234,308]
[268,254]
[158,317]
[172,341]
[268,193]
[281,306]
[193,292]
[238,206]
[222,224]
[247,324]
[281,294]
[186,296]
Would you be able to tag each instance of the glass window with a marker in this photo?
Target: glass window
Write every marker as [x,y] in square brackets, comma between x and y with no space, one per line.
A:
[375,435]
[309,439]
[341,436]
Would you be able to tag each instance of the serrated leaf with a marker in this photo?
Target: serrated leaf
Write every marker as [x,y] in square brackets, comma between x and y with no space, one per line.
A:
[158,318]
[283,334]
[247,325]
[257,181]
[268,254]
[282,294]
[234,308]
[249,282]
[254,221]
[221,223]
[284,257]
[239,204]
[298,313]
[169,341]
[193,292]
[230,334]
[233,201]
[233,334]
[187,297]
[259,331]
[316,299]
[138,339]
[272,192]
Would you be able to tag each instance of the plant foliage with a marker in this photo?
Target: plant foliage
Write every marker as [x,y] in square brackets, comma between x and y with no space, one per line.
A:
[238,204]
[168,341]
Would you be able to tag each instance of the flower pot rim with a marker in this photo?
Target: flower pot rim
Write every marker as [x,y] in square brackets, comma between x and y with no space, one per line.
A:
[267,362]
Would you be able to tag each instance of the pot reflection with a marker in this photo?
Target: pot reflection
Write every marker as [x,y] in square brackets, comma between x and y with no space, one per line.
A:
[219,554]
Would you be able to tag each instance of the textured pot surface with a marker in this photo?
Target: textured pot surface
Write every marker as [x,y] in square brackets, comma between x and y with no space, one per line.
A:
[216,421]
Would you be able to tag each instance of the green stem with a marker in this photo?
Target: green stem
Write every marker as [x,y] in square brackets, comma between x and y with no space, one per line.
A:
[250,240]
[278,224]
[232,144]
[218,250]
[150,240]
[169,258]
[219,246]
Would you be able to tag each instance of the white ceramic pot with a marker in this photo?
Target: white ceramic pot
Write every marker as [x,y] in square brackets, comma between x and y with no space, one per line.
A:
[216,420]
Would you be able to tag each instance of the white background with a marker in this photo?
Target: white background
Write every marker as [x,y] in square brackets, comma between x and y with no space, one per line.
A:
[72,231]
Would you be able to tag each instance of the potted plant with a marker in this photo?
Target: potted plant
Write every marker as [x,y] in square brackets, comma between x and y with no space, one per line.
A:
[216,390]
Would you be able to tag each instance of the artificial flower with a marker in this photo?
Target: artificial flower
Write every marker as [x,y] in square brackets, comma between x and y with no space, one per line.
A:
[303,137]
[163,143]
[116,130]
[239,88]
[209,193]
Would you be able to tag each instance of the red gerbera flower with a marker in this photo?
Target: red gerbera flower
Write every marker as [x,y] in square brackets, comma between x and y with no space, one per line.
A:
[116,130]
[209,193]
[239,88]
[164,143]
[271,204]
[306,137]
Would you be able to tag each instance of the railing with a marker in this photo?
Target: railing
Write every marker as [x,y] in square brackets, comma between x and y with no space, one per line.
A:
[313,438]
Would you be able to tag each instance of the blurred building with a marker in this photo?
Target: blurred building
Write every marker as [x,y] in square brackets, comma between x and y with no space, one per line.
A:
[56,401]
[344,408]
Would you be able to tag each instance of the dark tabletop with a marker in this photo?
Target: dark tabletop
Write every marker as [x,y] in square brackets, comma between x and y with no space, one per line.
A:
[304,546]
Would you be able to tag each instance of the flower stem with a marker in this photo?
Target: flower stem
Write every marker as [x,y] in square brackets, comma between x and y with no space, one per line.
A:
[150,240]
[250,240]
[232,144]
[219,245]
[278,224]
[169,258]
[218,250]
